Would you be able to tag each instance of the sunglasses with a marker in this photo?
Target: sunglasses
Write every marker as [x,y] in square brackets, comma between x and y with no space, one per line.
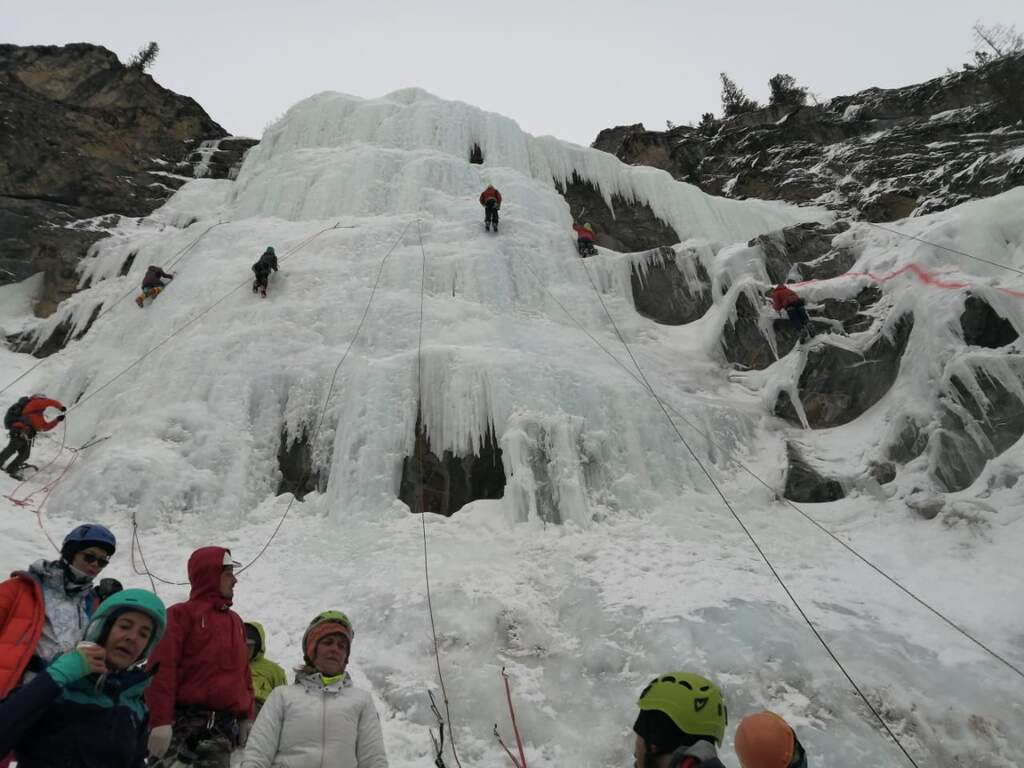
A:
[92,559]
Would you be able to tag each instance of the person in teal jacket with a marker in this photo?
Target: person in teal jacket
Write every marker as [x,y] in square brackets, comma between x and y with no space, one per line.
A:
[266,674]
[86,708]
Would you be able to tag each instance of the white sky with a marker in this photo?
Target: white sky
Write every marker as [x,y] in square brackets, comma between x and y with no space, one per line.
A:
[557,67]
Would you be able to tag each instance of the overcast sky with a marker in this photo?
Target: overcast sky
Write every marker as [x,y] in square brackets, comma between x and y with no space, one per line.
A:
[557,67]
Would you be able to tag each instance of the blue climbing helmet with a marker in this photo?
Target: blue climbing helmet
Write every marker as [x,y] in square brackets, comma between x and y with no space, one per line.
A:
[126,601]
[85,536]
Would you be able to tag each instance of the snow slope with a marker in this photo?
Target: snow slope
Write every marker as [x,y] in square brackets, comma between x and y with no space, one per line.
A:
[637,569]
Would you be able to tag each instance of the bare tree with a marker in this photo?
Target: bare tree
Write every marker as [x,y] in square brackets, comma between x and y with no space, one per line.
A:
[144,59]
[995,41]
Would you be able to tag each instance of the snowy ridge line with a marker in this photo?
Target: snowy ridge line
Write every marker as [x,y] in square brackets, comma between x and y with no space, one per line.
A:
[757,546]
[945,248]
[921,601]
[202,314]
[109,307]
[419,493]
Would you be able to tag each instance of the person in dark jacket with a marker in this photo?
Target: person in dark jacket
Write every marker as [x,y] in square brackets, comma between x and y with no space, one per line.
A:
[785,298]
[585,240]
[23,421]
[682,720]
[87,709]
[152,284]
[201,699]
[267,262]
[490,199]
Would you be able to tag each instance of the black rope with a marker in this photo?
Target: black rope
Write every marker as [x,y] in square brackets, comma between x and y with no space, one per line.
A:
[943,247]
[419,495]
[746,530]
[330,391]
[712,442]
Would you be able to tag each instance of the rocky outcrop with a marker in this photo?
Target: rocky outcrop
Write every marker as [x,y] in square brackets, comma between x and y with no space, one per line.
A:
[838,385]
[982,415]
[805,484]
[299,475]
[982,326]
[444,484]
[83,136]
[881,154]
[629,228]
[671,288]
[808,248]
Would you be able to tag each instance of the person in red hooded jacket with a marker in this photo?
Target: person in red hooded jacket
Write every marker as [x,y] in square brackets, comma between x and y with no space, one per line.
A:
[490,199]
[201,698]
[23,421]
[785,298]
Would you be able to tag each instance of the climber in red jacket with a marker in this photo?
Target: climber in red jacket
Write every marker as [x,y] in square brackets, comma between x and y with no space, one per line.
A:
[23,421]
[785,298]
[201,696]
[585,239]
[490,199]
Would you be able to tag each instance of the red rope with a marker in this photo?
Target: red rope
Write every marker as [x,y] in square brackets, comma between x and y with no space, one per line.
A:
[933,279]
[512,712]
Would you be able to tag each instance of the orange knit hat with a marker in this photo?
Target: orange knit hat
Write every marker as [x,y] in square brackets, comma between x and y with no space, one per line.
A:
[764,740]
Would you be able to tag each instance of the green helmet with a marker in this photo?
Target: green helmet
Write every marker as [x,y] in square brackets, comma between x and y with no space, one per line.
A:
[326,617]
[692,702]
[126,600]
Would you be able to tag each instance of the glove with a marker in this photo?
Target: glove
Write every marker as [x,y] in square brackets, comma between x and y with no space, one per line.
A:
[160,740]
[68,668]
[244,726]
[61,417]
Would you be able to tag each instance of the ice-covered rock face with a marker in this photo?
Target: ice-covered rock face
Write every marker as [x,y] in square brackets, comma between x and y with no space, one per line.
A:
[609,557]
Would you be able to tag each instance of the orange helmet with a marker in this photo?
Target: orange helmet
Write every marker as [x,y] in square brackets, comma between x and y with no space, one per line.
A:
[765,740]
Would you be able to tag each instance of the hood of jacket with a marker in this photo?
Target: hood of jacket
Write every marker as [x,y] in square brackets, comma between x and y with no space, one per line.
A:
[204,570]
[262,647]
[314,681]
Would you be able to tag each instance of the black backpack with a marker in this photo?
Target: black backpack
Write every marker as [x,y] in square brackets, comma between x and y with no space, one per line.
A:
[14,412]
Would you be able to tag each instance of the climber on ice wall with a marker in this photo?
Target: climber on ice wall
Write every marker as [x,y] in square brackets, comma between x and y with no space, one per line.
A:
[490,199]
[152,284]
[785,298]
[585,239]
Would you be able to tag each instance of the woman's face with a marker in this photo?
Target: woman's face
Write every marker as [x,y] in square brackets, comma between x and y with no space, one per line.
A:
[331,655]
[127,640]
[90,561]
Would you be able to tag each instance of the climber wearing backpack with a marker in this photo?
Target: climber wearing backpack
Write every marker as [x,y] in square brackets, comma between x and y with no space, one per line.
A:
[585,239]
[490,199]
[87,709]
[266,675]
[23,421]
[785,298]
[682,720]
[44,610]
[765,740]
[267,262]
[152,284]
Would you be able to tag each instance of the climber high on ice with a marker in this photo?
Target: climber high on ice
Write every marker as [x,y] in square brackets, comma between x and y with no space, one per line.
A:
[152,284]
[267,262]
[490,199]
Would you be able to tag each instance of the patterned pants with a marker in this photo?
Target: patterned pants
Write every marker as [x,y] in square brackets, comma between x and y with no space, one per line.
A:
[201,741]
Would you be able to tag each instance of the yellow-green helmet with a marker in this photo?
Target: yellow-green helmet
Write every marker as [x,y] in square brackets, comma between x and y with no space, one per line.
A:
[693,703]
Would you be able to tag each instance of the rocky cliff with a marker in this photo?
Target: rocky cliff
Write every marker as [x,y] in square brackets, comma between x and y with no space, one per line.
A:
[879,154]
[82,137]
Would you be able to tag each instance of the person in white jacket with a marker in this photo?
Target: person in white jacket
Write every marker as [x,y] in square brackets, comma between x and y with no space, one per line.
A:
[321,719]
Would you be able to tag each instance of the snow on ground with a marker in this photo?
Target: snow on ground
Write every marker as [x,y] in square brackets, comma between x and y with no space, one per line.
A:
[642,570]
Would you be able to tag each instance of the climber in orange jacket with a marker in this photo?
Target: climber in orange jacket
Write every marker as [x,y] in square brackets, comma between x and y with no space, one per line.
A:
[23,421]
[490,199]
